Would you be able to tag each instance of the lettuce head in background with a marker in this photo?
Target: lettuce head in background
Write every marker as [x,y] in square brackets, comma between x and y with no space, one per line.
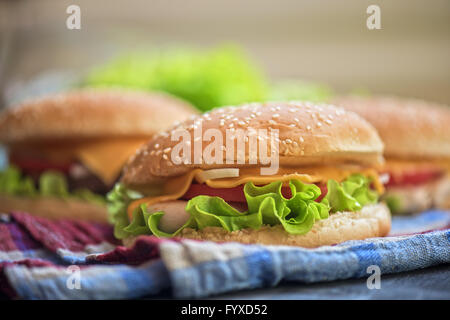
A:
[220,76]
[299,90]
[206,78]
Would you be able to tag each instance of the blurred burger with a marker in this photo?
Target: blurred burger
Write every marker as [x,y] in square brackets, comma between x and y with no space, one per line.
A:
[67,150]
[324,191]
[416,135]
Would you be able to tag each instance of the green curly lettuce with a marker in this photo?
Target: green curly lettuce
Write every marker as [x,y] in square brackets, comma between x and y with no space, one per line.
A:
[266,206]
[350,195]
[395,203]
[50,184]
[206,78]
[224,75]
[300,90]
[118,200]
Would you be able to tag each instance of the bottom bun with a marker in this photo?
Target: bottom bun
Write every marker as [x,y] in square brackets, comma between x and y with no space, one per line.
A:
[54,208]
[371,221]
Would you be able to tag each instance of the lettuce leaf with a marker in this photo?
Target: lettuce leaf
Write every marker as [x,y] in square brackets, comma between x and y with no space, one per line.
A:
[266,206]
[394,203]
[350,195]
[11,182]
[50,184]
[118,200]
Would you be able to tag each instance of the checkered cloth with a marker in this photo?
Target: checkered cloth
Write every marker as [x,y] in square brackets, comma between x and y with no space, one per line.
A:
[42,259]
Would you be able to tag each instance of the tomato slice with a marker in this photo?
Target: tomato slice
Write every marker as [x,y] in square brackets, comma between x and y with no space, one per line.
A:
[235,194]
[30,165]
[415,177]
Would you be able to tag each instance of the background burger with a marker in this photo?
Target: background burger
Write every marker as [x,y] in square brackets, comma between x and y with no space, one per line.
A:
[416,135]
[326,189]
[67,149]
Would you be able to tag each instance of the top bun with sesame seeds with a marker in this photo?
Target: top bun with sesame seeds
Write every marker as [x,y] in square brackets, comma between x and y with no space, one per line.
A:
[309,134]
[91,113]
[409,128]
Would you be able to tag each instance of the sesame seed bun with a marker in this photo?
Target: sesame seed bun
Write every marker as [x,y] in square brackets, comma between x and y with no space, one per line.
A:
[54,208]
[409,128]
[309,134]
[371,221]
[91,113]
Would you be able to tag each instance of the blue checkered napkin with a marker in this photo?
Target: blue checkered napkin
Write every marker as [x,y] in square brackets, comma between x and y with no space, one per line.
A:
[33,267]
[201,269]
[95,282]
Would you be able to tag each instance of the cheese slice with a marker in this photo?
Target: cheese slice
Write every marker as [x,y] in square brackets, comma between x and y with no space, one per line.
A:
[106,158]
[175,188]
[398,166]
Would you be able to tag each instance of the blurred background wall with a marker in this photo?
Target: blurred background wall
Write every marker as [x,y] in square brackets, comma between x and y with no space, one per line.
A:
[322,40]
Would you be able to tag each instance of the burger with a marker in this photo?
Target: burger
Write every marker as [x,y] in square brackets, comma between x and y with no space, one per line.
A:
[67,150]
[288,173]
[416,135]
